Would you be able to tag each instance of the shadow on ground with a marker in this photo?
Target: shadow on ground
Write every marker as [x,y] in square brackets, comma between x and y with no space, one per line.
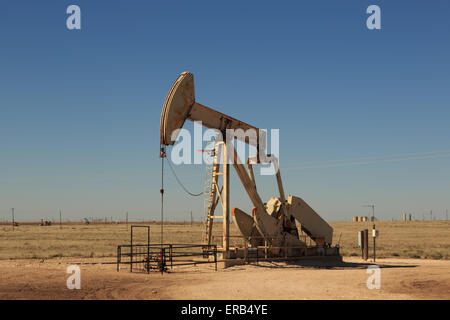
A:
[321,264]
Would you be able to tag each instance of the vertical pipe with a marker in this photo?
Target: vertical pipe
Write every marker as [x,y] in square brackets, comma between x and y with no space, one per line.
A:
[131,250]
[163,260]
[362,244]
[374,255]
[118,248]
[148,249]
[226,201]
[162,155]
[215,257]
[366,244]
[171,255]
[373,235]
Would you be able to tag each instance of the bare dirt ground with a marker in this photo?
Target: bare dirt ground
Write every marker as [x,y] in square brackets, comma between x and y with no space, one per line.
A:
[400,279]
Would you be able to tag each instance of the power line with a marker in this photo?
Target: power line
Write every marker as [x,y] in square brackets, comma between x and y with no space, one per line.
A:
[181,184]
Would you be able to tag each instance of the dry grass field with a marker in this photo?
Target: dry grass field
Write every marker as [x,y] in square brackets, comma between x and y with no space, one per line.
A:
[33,262]
[397,239]
[412,239]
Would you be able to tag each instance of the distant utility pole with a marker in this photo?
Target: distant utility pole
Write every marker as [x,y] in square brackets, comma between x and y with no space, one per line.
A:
[60,227]
[446,214]
[373,229]
[191,218]
[126,220]
[12,211]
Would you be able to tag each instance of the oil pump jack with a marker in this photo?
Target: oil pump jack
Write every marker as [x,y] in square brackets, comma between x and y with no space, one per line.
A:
[271,223]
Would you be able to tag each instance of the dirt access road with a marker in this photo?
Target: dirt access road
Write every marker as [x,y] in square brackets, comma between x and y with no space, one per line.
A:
[400,279]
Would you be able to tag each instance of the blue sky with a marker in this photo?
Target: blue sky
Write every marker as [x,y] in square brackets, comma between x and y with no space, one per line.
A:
[79,110]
